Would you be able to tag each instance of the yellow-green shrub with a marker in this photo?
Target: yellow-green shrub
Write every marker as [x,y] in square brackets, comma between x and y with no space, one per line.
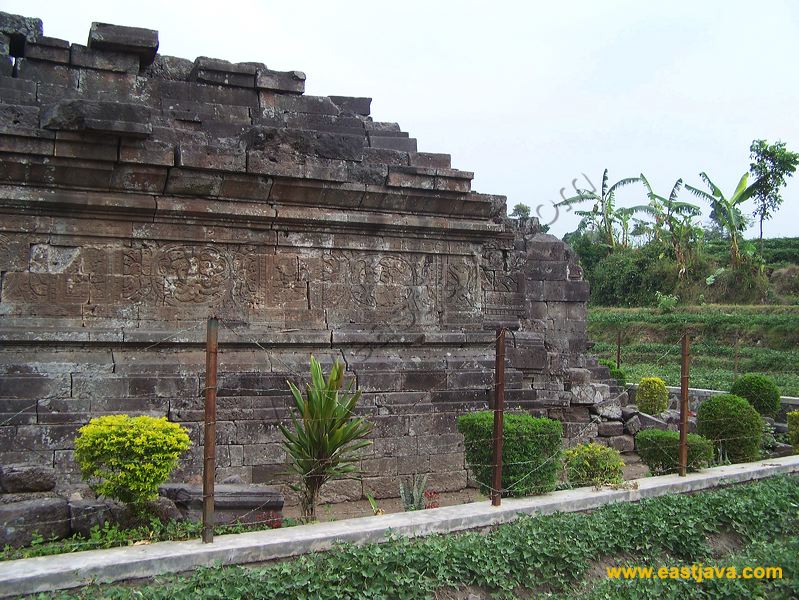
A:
[127,458]
[594,464]
[652,397]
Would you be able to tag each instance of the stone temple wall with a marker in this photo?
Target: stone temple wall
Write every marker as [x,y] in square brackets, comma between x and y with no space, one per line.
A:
[141,193]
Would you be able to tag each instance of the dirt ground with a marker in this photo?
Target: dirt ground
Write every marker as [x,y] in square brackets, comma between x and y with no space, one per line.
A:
[633,469]
[361,508]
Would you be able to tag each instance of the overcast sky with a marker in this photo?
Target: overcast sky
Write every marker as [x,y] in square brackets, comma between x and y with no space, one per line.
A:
[528,95]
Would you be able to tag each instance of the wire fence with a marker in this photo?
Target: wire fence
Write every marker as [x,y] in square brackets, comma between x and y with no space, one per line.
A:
[240,335]
[718,358]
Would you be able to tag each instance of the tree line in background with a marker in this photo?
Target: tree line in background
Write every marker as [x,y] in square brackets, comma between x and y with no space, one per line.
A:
[637,255]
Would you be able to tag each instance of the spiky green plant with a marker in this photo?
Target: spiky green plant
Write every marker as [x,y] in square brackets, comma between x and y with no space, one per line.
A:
[323,442]
[413,495]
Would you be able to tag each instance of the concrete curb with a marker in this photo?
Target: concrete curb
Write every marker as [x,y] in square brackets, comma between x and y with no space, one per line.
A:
[48,573]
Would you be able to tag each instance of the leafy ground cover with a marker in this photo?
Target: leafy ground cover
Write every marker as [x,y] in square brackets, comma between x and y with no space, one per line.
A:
[112,536]
[555,555]
[783,552]
[768,343]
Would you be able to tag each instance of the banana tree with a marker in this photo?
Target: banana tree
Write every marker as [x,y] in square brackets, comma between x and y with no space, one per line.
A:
[624,216]
[677,220]
[726,211]
[323,442]
[604,212]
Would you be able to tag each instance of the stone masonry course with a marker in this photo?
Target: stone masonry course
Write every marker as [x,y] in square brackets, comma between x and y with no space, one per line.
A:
[142,193]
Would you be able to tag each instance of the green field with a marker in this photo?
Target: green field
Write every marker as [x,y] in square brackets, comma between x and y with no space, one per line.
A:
[767,342]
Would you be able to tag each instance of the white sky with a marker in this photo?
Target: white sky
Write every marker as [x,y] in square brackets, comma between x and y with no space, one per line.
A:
[528,95]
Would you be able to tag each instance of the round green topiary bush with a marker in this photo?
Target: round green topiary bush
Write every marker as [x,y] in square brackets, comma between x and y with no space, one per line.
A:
[652,397]
[660,450]
[531,455]
[127,458]
[733,425]
[760,391]
[594,464]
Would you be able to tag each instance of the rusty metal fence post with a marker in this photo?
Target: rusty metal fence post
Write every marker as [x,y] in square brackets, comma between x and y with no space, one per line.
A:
[684,378]
[209,443]
[499,407]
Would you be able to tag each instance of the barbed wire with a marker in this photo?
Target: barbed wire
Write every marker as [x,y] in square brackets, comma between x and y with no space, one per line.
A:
[24,410]
[174,335]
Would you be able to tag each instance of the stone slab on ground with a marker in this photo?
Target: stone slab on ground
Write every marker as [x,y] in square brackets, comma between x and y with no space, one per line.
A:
[232,502]
[32,575]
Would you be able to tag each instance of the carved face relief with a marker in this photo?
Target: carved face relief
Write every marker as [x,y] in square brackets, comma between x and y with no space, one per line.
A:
[193,275]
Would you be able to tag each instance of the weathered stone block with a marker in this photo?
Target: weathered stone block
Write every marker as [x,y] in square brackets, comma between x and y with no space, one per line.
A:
[96,116]
[87,514]
[139,178]
[632,425]
[26,478]
[291,82]
[444,463]
[650,422]
[609,409]
[48,517]
[222,72]
[214,158]
[193,183]
[128,40]
[341,490]
[381,487]
[36,387]
[32,29]
[358,106]
[48,49]
[103,60]
[402,144]
[611,428]
[447,482]
[585,394]
[622,443]
[403,446]
[379,466]
[231,502]
[256,454]
[430,160]
[440,444]
[47,73]
[410,465]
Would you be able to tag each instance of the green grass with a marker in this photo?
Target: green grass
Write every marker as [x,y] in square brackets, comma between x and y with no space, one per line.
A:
[768,343]
[541,554]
